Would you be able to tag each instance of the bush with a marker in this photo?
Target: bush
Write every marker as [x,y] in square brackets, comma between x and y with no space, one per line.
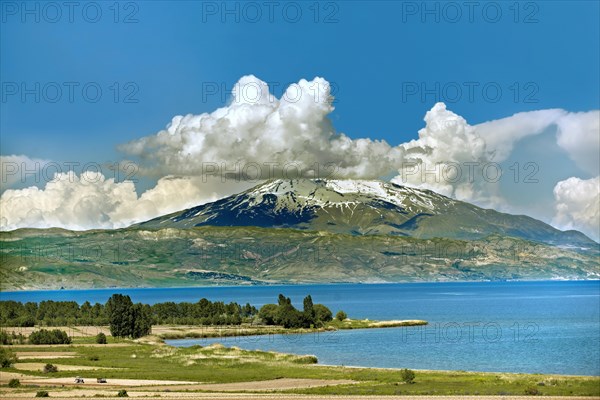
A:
[7,358]
[122,393]
[101,338]
[42,393]
[531,391]
[407,375]
[5,338]
[55,336]
[340,316]
[14,383]
[48,368]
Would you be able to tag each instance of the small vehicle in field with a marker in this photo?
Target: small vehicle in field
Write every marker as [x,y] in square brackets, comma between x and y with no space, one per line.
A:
[101,380]
[79,380]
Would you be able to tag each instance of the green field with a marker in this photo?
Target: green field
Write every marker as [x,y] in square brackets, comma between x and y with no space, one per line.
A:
[218,364]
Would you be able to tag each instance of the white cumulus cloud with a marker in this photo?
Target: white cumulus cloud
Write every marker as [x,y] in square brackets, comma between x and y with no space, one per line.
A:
[578,205]
[260,135]
[92,201]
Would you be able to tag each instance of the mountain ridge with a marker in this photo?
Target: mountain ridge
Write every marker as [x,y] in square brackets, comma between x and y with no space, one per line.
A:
[363,207]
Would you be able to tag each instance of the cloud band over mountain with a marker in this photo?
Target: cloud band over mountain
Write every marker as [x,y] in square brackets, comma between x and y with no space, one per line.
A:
[200,158]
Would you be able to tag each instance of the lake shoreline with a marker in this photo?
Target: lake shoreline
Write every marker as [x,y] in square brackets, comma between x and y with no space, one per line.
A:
[233,331]
[482,326]
[12,291]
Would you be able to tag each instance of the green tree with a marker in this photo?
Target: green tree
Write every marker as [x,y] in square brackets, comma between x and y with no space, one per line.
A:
[322,313]
[268,313]
[340,316]
[309,312]
[142,320]
[288,316]
[7,358]
[101,338]
[54,336]
[283,301]
[120,315]
[5,338]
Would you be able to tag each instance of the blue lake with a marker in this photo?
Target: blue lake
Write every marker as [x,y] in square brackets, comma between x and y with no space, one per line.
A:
[535,327]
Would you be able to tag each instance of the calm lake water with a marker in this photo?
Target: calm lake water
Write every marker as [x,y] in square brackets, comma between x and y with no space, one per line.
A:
[535,327]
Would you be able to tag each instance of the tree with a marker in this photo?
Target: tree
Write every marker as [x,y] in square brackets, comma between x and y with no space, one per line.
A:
[120,315]
[340,316]
[142,320]
[5,338]
[288,316]
[268,313]
[309,312]
[7,358]
[407,375]
[101,338]
[322,313]
[283,301]
[55,336]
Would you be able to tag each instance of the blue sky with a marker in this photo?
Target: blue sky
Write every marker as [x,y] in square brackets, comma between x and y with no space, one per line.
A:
[367,50]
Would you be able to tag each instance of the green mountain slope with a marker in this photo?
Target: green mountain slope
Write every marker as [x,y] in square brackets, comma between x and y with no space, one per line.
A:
[55,258]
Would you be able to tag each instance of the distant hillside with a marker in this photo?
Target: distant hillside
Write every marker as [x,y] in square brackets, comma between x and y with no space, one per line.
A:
[135,257]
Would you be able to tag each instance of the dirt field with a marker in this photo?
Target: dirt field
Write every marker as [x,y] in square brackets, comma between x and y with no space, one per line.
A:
[61,367]
[73,331]
[28,355]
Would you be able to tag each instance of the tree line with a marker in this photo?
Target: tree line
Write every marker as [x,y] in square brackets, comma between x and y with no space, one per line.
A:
[70,313]
[285,314]
[127,319]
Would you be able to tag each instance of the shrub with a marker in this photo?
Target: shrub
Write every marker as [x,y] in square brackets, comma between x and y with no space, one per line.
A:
[340,316]
[55,336]
[7,358]
[122,393]
[42,393]
[48,368]
[531,391]
[101,338]
[5,338]
[14,383]
[407,376]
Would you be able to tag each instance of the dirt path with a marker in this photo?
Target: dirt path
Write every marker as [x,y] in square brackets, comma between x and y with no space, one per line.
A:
[269,385]
[239,396]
